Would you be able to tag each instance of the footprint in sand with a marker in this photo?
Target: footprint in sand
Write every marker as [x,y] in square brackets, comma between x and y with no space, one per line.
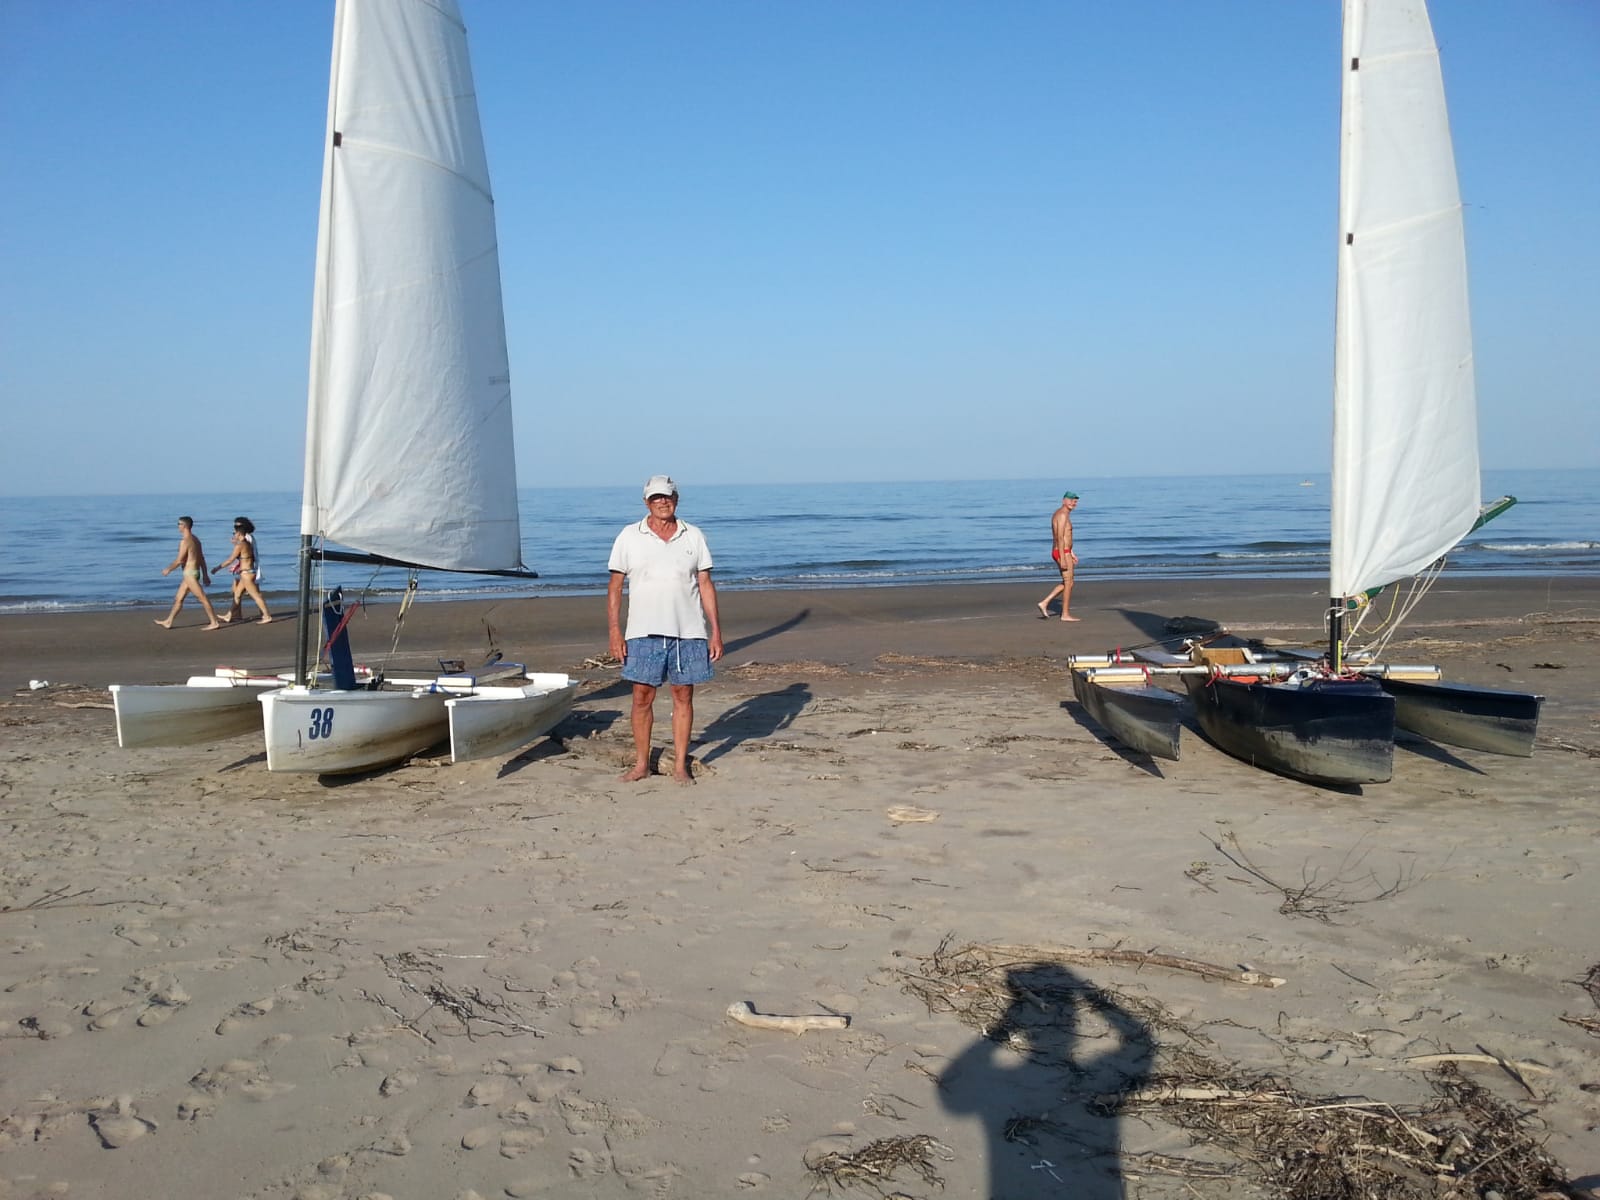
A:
[165,1000]
[103,1014]
[119,1125]
[486,1093]
[715,1079]
[583,1163]
[245,1012]
[247,1076]
[397,1083]
[514,1143]
[673,1059]
[523,1112]
[595,1018]
[546,1090]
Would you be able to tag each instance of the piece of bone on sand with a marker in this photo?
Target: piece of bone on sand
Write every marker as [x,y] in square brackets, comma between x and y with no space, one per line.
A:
[744,1012]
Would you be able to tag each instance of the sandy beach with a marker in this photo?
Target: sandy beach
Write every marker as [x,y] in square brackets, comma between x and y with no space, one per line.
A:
[514,978]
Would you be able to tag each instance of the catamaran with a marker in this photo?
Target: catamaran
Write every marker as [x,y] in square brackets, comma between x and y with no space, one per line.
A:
[409,458]
[409,452]
[1405,462]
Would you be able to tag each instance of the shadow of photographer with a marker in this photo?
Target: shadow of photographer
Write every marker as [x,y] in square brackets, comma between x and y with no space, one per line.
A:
[1032,1080]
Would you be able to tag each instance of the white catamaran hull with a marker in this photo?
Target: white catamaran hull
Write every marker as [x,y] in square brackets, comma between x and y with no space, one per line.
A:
[207,708]
[328,732]
[497,720]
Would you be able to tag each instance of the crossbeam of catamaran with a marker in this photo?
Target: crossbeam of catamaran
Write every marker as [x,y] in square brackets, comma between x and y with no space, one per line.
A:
[1106,669]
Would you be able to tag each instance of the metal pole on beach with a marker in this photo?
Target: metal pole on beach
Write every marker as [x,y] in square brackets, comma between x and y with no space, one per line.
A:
[303,634]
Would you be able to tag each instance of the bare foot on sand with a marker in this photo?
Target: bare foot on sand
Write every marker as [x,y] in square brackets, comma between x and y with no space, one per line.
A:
[1044,613]
[165,624]
[213,625]
[226,620]
[266,620]
[1064,617]
[639,771]
[681,777]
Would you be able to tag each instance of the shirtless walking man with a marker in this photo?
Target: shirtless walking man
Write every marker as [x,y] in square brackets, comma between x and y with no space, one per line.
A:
[1065,559]
[192,559]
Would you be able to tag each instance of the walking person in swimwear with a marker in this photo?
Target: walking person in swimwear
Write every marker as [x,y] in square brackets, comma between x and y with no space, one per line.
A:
[673,632]
[192,560]
[1066,561]
[246,569]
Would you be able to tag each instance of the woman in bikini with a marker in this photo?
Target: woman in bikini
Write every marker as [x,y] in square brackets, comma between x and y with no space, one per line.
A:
[246,568]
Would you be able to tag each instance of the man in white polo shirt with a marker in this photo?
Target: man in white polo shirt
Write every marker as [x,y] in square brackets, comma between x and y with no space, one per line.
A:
[671,604]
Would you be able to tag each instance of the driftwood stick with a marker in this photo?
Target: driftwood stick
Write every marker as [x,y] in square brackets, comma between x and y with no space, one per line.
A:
[1146,958]
[744,1012]
[1491,1060]
[1168,1092]
[1212,1094]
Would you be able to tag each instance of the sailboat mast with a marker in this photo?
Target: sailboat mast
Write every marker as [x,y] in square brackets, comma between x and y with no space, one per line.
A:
[1335,634]
[302,652]
[317,387]
[1344,328]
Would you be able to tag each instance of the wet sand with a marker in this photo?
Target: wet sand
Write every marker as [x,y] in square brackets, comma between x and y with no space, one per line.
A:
[512,978]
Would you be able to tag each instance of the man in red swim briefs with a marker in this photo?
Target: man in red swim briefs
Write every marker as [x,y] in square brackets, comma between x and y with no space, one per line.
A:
[1061,551]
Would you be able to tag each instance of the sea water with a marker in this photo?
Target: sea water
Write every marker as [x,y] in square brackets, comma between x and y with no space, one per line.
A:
[64,553]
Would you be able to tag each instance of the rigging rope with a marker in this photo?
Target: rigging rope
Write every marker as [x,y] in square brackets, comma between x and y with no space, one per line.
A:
[399,617]
[1399,610]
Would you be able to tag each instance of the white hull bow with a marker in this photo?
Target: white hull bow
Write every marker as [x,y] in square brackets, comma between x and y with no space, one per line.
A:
[328,732]
[207,708]
[497,720]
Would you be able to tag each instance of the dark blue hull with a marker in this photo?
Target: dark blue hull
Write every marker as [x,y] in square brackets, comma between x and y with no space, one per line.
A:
[1460,714]
[1145,719]
[1332,731]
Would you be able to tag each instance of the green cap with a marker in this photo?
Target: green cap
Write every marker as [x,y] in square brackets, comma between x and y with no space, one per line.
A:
[1069,495]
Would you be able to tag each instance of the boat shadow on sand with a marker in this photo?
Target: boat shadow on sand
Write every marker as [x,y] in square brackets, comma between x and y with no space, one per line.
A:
[1134,758]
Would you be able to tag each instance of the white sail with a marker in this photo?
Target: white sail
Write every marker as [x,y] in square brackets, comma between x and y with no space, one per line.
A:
[1405,446]
[408,435]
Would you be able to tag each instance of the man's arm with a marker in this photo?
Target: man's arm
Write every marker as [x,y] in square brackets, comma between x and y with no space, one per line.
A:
[619,648]
[708,601]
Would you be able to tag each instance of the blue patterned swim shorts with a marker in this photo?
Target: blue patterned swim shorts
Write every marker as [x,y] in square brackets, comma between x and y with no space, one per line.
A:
[658,660]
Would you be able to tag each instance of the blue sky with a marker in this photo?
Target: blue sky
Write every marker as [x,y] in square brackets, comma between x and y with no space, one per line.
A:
[787,241]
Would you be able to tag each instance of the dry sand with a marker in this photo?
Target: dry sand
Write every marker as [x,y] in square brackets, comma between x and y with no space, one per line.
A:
[513,978]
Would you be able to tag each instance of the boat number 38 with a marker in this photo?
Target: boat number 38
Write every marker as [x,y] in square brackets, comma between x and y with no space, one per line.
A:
[321,723]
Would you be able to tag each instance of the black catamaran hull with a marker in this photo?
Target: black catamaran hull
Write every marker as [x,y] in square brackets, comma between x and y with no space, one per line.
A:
[1334,731]
[1142,718]
[1459,714]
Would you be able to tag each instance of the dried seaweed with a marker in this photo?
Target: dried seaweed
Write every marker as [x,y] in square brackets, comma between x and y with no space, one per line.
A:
[1316,897]
[1464,1144]
[474,1012]
[873,1166]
